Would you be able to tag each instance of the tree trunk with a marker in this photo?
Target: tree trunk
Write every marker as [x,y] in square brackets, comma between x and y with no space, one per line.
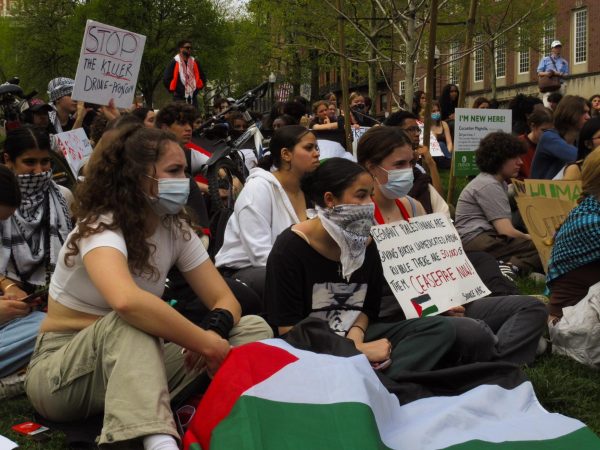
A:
[314,75]
[409,66]
[493,79]
[372,65]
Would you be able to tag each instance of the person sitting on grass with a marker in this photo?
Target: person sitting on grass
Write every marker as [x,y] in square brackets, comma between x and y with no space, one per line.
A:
[329,268]
[19,325]
[483,213]
[109,343]
[575,260]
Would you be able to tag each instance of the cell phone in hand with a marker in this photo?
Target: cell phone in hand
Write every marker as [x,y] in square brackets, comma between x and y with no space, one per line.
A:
[382,365]
[34,299]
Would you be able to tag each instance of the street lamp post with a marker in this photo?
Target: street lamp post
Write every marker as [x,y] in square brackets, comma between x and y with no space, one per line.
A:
[272,79]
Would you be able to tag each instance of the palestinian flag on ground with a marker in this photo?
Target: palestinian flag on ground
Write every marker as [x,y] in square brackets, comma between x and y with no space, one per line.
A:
[270,395]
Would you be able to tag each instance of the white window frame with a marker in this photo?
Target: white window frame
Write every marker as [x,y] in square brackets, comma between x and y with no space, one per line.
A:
[454,66]
[402,87]
[523,57]
[549,32]
[580,36]
[500,54]
[478,62]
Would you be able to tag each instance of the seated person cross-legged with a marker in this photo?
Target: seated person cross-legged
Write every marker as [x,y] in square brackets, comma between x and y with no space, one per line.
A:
[483,214]
[102,345]
[575,261]
[502,327]
[328,267]
[270,202]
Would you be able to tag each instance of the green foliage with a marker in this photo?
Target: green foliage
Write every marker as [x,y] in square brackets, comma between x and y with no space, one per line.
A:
[48,33]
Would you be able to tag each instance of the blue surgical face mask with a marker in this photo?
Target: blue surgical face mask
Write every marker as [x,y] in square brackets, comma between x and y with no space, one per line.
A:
[400,182]
[172,195]
[436,116]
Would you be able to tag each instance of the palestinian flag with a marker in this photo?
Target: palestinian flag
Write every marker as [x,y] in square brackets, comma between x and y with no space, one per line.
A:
[271,395]
[424,305]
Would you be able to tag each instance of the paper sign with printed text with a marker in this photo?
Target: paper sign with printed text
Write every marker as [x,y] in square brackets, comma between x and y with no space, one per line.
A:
[470,127]
[75,146]
[425,265]
[544,205]
[109,64]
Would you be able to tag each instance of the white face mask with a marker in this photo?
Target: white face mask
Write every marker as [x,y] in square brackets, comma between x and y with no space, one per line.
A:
[399,184]
[350,227]
[172,195]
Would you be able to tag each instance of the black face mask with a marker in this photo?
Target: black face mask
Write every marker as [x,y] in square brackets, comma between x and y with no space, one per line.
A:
[359,107]
[235,134]
[186,53]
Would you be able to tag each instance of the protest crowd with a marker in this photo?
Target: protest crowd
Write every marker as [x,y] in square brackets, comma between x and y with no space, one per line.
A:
[127,279]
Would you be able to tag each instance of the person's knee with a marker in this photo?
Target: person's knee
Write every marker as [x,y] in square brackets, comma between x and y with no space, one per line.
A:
[441,327]
[250,329]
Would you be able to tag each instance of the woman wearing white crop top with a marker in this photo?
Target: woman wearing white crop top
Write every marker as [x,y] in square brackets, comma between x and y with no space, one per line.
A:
[101,347]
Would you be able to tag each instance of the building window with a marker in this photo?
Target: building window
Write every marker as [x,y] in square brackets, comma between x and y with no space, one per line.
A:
[454,66]
[580,36]
[549,32]
[402,87]
[500,56]
[524,61]
[478,57]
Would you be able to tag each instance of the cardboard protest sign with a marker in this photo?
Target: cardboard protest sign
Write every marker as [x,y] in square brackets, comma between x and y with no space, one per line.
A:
[434,145]
[75,147]
[568,191]
[425,265]
[544,205]
[471,126]
[109,64]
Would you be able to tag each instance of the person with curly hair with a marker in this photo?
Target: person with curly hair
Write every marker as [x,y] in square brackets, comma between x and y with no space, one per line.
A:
[483,214]
[102,345]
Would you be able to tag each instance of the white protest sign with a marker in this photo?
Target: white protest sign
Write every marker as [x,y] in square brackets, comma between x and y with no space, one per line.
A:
[75,147]
[470,127]
[356,135]
[425,265]
[434,145]
[109,64]
[332,149]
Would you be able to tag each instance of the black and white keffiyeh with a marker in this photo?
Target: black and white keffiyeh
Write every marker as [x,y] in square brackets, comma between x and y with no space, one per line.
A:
[349,226]
[33,236]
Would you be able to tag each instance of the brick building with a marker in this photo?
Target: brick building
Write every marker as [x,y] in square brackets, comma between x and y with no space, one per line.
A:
[576,25]
[5,7]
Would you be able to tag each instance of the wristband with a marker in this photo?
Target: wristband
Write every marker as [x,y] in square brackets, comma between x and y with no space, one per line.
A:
[218,320]
[359,327]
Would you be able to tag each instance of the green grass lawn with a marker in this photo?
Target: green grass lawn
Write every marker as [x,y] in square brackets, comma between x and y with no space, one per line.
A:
[561,384]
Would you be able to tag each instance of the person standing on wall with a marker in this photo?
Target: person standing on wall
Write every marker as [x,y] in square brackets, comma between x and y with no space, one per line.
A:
[554,65]
[183,77]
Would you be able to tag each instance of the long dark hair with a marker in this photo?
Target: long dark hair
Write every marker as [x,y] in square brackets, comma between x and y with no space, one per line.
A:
[284,137]
[590,128]
[113,184]
[10,194]
[446,103]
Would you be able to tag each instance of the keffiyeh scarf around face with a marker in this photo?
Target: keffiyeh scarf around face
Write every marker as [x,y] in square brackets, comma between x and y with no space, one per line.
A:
[187,75]
[577,242]
[33,236]
[349,226]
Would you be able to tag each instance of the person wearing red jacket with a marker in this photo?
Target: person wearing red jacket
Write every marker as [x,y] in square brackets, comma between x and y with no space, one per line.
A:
[183,77]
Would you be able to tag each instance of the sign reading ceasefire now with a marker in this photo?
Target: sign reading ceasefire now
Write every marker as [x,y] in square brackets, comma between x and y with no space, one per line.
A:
[109,64]
[470,127]
[425,265]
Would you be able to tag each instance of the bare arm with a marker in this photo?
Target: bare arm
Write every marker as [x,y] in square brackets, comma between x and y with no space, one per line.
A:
[506,228]
[208,284]
[449,143]
[108,270]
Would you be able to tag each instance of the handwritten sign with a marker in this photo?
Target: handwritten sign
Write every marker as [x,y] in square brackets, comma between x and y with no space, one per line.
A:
[470,127]
[558,189]
[109,64]
[544,205]
[356,135]
[75,146]
[425,265]
[434,145]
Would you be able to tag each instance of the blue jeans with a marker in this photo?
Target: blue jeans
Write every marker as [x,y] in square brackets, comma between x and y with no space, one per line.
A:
[17,339]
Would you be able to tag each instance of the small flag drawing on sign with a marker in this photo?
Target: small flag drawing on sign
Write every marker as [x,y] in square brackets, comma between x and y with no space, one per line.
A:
[424,305]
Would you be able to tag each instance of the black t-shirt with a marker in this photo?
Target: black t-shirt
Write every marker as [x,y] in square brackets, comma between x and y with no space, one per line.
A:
[301,282]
